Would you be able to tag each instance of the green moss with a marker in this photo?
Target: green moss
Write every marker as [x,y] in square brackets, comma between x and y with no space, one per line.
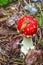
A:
[40,43]
[10,1]
[5,2]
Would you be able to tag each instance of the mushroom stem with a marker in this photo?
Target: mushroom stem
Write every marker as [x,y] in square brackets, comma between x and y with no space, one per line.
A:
[27,44]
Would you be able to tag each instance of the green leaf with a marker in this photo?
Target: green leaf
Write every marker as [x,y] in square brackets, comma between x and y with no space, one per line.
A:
[41,17]
[26,11]
[40,43]
[40,22]
[4,2]
[10,1]
[18,59]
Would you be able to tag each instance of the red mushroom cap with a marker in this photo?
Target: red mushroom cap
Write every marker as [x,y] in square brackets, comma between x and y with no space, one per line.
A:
[27,25]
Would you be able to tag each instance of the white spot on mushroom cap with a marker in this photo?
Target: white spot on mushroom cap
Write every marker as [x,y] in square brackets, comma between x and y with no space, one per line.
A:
[31,28]
[34,26]
[28,29]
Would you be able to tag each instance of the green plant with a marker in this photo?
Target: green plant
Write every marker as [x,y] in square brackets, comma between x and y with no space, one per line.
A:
[41,17]
[5,2]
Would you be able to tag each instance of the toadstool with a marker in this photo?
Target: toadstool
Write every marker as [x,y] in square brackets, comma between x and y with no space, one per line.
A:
[27,26]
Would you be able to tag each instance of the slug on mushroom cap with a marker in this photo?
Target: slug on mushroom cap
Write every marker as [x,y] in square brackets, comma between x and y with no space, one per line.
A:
[27,25]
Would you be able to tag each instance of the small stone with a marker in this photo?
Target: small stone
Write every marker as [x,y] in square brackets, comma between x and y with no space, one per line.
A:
[31,9]
[34,0]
